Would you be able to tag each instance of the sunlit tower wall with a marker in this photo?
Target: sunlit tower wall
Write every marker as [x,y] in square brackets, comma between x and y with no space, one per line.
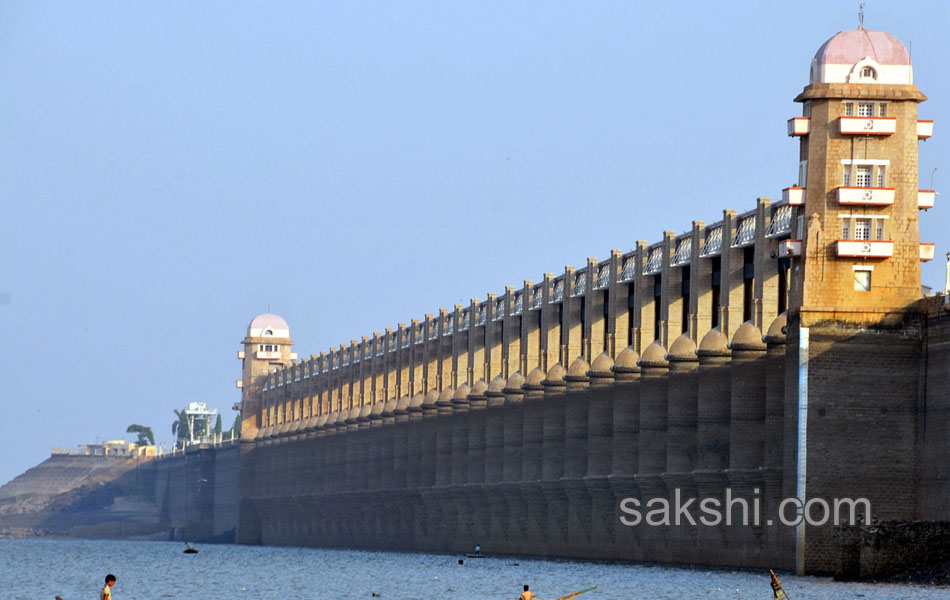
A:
[857,179]
[854,358]
[267,348]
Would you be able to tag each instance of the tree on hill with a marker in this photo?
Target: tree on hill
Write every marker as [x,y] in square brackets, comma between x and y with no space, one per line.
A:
[146,438]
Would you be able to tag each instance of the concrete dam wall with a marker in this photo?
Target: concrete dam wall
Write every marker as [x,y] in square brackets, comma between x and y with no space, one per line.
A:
[541,464]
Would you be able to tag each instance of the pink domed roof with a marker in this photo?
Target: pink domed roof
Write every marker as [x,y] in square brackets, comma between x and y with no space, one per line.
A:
[849,47]
[267,325]
[268,320]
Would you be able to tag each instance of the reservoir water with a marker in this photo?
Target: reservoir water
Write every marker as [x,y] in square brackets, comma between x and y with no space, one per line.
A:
[75,569]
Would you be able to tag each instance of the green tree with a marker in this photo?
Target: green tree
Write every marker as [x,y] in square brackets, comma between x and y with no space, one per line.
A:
[217,425]
[146,438]
[180,427]
[236,427]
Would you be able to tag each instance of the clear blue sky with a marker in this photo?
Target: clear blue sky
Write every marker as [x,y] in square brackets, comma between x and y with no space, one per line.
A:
[170,169]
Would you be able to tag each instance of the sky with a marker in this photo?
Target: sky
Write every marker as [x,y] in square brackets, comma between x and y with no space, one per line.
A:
[168,170]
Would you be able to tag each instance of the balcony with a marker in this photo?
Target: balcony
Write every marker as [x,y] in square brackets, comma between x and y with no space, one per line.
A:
[239,383]
[926,252]
[868,125]
[794,196]
[865,249]
[789,248]
[799,126]
[241,354]
[925,129]
[925,199]
[265,355]
[866,195]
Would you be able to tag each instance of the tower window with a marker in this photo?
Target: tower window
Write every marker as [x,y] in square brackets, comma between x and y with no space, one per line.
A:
[862,281]
[863,175]
[865,228]
[868,72]
[268,332]
[865,109]
[862,229]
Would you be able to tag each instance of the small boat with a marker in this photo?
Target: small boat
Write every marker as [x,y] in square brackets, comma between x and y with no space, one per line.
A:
[476,555]
[189,549]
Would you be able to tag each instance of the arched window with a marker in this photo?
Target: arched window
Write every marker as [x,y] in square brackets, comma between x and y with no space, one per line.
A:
[868,73]
[268,332]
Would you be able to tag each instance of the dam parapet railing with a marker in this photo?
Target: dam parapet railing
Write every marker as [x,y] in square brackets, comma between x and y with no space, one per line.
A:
[717,276]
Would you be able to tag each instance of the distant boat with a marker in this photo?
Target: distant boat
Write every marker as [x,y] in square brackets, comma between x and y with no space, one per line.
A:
[189,549]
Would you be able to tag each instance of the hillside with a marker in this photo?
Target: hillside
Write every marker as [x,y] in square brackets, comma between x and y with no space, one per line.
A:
[79,495]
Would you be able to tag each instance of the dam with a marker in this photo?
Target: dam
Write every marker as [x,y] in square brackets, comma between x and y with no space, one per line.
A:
[783,353]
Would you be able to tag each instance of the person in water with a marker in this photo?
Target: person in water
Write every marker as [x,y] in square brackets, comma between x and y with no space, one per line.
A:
[106,593]
[478,549]
[526,594]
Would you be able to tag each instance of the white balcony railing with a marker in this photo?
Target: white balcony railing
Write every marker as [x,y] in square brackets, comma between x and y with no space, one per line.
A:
[925,129]
[868,125]
[866,195]
[654,261]
[925,199]
[628,271]
[713,242]
[794,195]
[926,252]
[580,284]
[745,232]
[799,126]
[865,248]
[683,253]
[789,248]
[264,355]
[781,223]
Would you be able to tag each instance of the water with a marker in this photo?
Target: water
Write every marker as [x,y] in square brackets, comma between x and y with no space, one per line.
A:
[75,570]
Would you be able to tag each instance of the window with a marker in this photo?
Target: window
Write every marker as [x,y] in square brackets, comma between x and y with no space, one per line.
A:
[865,109]
[862,281]
[868,72]
[863,175]
[862,229]
[865,228]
